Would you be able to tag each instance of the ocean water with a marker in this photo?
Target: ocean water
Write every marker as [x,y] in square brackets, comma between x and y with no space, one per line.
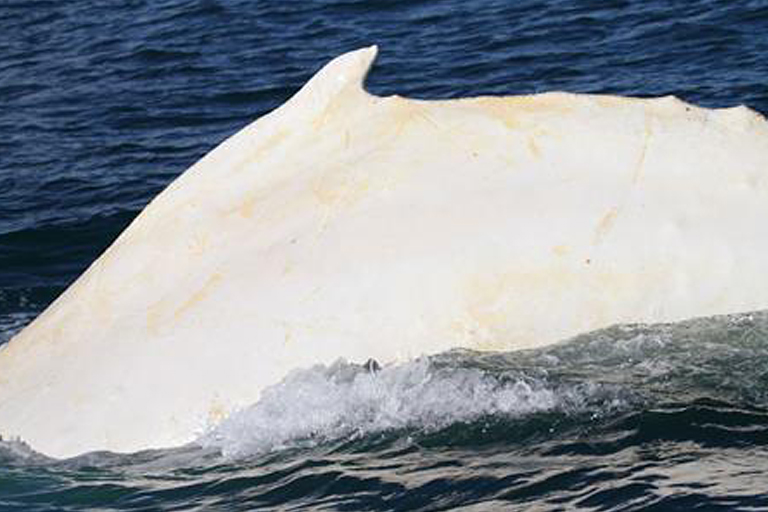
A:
[102,104]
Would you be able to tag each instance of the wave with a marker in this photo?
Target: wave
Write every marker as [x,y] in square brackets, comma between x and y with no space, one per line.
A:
[640,375]
[347,401]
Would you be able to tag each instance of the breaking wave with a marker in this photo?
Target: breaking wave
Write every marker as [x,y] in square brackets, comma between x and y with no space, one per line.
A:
[347,401]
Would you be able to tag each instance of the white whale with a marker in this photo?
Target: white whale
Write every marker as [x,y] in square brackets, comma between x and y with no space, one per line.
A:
[349,225]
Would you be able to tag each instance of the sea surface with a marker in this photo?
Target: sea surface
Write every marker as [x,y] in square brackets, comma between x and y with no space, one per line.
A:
[102,104]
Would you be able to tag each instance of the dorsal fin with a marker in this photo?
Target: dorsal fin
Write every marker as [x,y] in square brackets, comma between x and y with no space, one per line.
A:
[344,74]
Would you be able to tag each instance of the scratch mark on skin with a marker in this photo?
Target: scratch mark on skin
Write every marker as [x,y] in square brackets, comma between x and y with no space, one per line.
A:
[332,196]
[406,112]
[534,147]
[640,166]
[605,225]
[254,154]
[198,295]
[608,220]
[422,113]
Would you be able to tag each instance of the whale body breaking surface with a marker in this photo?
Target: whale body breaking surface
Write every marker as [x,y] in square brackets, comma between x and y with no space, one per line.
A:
[349,225]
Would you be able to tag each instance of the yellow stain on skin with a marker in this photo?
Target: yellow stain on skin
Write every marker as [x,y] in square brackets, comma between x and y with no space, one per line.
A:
[604,226]
[246,207]
[327,189]
[493,304]
[512,110]
[340,187]
[533,147]
[402,112]
[638,172]
[198,244]
[494,301]
[198,295]
[156,312]
[254,154]
[502,111]
[336,191]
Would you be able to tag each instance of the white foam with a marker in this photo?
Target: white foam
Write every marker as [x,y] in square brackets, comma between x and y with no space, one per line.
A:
[343,400]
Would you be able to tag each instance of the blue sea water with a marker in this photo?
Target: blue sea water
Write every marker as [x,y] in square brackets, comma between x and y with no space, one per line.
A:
[102,104]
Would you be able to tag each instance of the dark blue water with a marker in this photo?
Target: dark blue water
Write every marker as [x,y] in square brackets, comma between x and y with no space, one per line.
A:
[103,103]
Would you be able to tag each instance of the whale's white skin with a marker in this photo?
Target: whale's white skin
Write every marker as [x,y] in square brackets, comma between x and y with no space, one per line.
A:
[349,225]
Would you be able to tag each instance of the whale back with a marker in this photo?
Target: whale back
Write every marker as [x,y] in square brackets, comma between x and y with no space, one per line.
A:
[349,225]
